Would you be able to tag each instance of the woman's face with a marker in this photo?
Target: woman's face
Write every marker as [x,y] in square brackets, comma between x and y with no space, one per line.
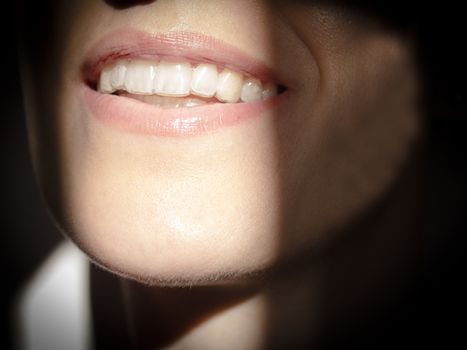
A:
[192,194]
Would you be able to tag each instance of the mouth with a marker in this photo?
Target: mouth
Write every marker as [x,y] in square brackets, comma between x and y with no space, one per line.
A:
[175,84]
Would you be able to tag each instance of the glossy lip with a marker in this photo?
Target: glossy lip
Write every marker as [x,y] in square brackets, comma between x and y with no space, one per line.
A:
[134,116]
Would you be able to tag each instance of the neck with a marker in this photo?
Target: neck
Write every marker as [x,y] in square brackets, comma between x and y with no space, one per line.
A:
[302,303]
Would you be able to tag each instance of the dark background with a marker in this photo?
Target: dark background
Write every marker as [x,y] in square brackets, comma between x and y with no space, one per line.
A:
[433,314]
[27,235]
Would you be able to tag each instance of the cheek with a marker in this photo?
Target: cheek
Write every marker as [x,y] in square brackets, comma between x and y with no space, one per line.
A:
[354,140]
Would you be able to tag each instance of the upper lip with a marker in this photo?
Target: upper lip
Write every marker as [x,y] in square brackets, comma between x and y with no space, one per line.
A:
[190,46]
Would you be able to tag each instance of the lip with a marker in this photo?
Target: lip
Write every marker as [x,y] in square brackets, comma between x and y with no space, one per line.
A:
[134,116]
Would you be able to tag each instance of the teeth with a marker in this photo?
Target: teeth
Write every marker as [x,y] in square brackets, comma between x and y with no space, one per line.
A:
[169,102]
[269,90]
[118,75]
[229,86]
[104,81]
[178,79]
[139,77]
[204,81]
[251,90]
[173,79]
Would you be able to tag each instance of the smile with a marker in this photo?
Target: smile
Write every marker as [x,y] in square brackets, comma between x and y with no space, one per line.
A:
[180,79]
[175,84]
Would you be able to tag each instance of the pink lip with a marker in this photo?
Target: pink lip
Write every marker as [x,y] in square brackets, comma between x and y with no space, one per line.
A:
[135,116]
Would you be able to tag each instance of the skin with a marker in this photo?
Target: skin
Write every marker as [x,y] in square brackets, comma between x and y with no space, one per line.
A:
[261,218]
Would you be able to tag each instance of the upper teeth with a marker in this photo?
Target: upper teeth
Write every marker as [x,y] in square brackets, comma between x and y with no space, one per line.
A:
[181,79]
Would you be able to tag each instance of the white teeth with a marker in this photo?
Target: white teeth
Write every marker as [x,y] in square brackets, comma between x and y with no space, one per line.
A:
[104,80]
[204,81]
[229,86]
[179,79]
[118,75]
[139,77]
[170,102]
[173,79]
[269,90]
[251,90]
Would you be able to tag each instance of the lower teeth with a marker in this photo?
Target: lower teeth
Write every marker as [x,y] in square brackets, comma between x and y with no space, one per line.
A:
[169,102]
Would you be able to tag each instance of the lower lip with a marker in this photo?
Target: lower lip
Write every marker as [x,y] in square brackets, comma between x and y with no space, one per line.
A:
[133,116]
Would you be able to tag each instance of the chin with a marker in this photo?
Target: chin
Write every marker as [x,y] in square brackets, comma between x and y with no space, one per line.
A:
[161,230]
[167,256]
